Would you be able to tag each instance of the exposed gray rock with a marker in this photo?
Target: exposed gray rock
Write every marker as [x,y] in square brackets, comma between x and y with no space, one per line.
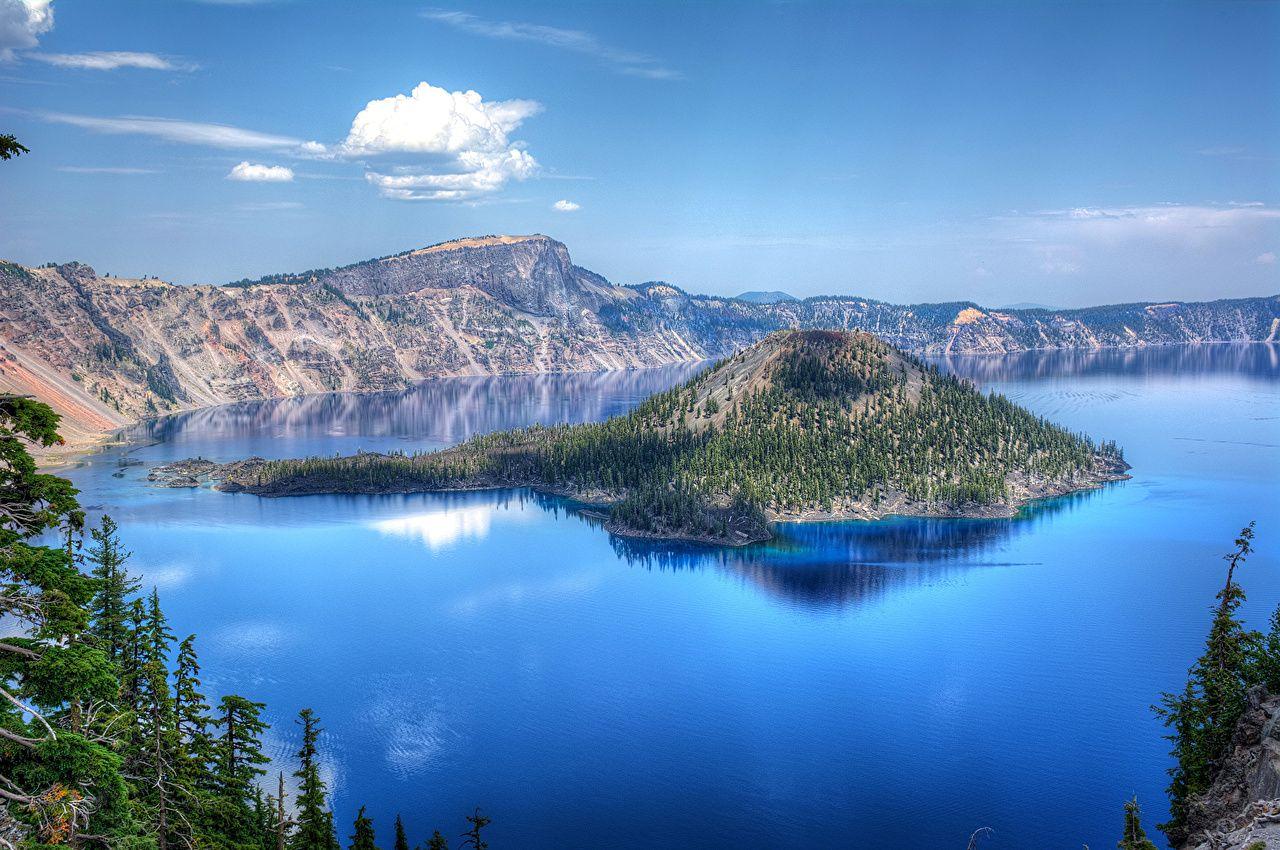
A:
[106,350]
[1243,805]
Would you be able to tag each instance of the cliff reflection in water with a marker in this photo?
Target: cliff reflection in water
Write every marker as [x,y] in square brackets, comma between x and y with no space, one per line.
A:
[443,411]
[1256,360]
[841,564]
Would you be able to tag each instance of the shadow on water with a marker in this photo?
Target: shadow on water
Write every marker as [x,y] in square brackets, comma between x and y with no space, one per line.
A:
[835,565]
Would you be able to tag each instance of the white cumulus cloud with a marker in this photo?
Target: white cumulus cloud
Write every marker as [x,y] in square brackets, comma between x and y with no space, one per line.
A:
[22,22]
[110,60]
[450,145]
[251,172]
[566,206]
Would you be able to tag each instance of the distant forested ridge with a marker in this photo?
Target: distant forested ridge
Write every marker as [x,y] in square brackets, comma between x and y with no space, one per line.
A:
[803,425]
[105,350]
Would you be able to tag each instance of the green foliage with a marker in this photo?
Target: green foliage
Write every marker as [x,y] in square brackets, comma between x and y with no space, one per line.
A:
[102,742]
[108,610]
[237,763]
[1135,838]
[10,147]
[1202,717]
[314,819]
[362,837]
[402,841]
[60,782]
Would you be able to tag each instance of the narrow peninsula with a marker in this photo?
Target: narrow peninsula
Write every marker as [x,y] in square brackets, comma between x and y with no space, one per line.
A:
[803,425]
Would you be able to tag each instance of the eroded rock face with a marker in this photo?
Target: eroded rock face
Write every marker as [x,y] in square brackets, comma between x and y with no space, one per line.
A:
[110,350]
[533,274]
[1243,806]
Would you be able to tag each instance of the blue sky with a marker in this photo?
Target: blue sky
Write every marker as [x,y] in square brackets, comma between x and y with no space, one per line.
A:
[1060,153]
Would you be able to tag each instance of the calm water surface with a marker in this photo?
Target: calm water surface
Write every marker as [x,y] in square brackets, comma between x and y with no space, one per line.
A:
[873,685]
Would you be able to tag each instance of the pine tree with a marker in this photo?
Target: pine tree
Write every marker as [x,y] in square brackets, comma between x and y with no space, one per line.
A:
[191,713]
[472,837]
[109,610]
[1269,655]
[437,842]
[1203,716]
[237,759]
[58,784]
[156,748]
[402,841]
[314,819]
[362,837]
[1135,838]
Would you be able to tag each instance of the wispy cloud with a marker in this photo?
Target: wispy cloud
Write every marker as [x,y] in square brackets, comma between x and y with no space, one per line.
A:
[176,130]
[630,62]
[111,60]
[566,206]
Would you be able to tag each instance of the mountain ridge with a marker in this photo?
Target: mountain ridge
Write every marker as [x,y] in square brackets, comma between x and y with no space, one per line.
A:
[106,351]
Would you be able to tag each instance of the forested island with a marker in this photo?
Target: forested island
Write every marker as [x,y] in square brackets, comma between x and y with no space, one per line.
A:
[804,425]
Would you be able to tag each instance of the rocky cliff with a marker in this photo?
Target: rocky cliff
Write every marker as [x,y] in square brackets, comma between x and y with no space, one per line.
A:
[1241,811]
[107,350]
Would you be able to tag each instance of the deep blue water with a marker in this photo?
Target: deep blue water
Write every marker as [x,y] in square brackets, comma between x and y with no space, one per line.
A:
[873,685]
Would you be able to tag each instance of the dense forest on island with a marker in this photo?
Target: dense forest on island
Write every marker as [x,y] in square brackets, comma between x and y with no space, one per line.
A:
[804,424]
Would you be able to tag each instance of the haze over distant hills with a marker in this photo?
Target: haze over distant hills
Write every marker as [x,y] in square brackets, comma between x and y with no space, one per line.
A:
[105,351]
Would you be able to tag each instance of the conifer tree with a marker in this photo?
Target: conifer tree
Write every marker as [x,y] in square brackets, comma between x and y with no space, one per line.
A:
[191,714]
[402,841]
[1269,655]
[1203,716]
[472,837]
[157,749]
[110,608]
[314,819]
[437,842]
[237,762]
[1135,838]
[57,783]
[362,837]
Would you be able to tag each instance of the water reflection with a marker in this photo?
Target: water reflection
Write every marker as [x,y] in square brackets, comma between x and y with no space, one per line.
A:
[841,564]
[440,411]
[1257,360]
